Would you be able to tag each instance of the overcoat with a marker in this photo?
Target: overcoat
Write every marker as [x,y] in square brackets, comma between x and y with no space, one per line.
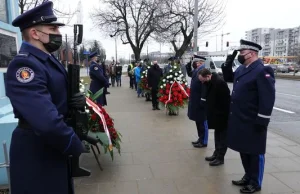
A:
[196,108]
[37,88]
[217,102]
[252,102]
[98,81]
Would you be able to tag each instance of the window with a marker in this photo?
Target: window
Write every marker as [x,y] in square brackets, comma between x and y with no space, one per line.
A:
[8,49]
[3,11]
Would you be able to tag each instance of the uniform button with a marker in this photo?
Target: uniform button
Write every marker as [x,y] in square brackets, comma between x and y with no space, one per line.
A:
[231,102]
[237,81]
[231,113]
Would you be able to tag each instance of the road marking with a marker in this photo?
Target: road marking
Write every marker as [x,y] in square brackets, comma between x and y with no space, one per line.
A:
[288,94]
[286,111]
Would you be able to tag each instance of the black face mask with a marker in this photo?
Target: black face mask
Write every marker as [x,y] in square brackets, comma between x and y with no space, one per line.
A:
[242,59]
[55,41]
[97,61]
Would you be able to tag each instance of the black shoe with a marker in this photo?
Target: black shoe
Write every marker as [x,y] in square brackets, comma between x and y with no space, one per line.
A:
[200,145]
[216,162]
[107,93]
[196,142]
[157,108]
[242,182]
[250,189]
[210,158]
[153,108]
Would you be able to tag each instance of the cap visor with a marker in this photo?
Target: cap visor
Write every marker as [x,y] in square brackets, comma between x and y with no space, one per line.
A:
[55,23]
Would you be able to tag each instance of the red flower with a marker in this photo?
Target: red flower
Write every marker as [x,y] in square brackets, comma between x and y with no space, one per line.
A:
[167,92]
[161,91]
[94,117]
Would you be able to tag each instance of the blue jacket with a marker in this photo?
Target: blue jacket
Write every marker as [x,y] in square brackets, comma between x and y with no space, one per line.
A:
[137,73]
[252,102]
[98,81]
[37,88]
[196,108]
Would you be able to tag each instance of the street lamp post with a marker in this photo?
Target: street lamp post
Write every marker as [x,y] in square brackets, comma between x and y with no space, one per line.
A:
[196,26]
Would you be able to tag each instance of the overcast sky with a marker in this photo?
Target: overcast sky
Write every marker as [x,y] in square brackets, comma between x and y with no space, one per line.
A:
[241,15]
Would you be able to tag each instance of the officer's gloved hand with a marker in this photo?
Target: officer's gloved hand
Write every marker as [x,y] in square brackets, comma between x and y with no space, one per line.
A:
[77,101]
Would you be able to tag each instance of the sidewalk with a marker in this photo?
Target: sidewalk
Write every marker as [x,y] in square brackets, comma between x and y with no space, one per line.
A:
[158,158]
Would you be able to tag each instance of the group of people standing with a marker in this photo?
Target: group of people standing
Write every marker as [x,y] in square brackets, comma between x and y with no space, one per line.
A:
[240,120]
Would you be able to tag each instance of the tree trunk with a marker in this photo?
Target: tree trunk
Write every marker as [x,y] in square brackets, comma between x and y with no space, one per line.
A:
[137,54]
[183,47]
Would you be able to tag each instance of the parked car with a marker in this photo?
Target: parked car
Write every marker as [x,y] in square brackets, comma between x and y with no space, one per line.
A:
[292,68]
[282,69]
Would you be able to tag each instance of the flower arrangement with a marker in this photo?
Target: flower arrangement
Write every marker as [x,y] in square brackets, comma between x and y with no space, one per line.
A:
[173,90]
[144,81]
[101,124]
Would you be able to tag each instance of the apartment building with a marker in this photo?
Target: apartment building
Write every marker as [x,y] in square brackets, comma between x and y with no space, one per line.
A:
[276,42]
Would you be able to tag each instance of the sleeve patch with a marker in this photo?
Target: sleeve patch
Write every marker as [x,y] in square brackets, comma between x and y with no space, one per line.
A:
[96,68]
[25,75]
[267,75]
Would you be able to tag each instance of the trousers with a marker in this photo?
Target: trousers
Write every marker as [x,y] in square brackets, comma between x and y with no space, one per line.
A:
[254,168]
[202,129]
[154,97]
[220,143]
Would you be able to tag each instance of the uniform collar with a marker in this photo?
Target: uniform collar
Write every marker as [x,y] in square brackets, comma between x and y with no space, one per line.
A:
[29,48]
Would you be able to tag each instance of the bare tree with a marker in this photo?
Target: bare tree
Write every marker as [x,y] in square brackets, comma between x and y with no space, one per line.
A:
[133,21]
[179,24]
[25,5]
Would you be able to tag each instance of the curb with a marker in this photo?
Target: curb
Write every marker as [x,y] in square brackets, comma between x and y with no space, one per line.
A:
[289,77]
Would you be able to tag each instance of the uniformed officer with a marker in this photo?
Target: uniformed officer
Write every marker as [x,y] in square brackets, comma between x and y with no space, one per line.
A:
[98,79]
[196,108]
[36,86]
[252,102]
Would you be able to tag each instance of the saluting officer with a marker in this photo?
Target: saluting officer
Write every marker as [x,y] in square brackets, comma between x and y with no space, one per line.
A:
[196,108]
[252,102]
[36,86]
[98,80]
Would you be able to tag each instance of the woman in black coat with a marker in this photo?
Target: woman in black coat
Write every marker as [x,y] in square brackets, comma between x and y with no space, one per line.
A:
[217,104]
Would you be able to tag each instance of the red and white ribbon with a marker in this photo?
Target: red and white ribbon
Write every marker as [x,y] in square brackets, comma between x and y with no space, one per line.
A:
[98,111]
[182,89]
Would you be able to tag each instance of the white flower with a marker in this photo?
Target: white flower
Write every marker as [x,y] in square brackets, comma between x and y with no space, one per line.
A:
[164,80]
[176,74]
[148,67]
[81,90]
[170,76]
[171,82]
[167,77]
[178,78]
[87,110]
[180,82]
[171,70]
[161,87]
[174,67]
[179,71]
[164,85]
[144,72]
[142,77]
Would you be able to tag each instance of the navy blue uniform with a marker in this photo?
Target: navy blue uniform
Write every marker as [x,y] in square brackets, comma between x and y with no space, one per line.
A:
[252,102]
[37,88]
[98,81]
[196,108]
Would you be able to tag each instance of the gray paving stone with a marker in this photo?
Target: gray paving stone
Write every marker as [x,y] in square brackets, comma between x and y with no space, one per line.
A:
[157,186]
[123,187]
[291,179]
[293,149]
[284,164]
[279,152]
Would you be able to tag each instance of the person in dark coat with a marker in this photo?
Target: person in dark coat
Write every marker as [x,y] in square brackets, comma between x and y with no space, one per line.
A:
[131,74]
[105,73]
[119,74]
[196,107]
[98,79]
[217,105]
[154,75]
[252,101]
[36,85]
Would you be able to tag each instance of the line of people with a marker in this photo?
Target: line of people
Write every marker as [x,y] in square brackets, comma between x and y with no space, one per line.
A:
[240,120]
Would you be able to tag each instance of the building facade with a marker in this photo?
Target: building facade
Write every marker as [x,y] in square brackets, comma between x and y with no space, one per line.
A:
[276,42]
[10,37]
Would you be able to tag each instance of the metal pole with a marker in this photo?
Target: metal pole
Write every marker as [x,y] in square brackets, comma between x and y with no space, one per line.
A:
[160,53]
[216,42]
[196,26]
[116,49]
[222,41]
